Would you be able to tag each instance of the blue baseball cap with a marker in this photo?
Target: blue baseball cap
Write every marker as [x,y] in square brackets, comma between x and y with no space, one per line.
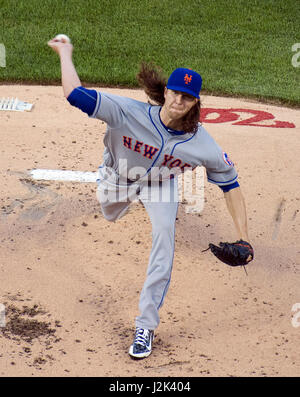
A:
[185,80]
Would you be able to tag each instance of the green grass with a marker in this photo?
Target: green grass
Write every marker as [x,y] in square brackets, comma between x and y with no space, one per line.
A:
[240,47]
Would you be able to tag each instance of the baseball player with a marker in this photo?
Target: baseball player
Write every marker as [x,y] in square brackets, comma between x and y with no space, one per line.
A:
[146,147]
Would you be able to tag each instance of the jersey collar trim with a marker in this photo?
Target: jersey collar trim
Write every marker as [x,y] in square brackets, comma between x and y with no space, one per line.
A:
[161,137]
[170,130]
[154,113]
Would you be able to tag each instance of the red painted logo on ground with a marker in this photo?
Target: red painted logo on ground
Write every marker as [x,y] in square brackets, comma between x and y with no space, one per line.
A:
[233,115]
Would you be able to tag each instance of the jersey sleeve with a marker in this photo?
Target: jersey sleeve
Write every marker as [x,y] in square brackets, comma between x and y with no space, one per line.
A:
[111,108]
[226,188]
[107,107]
[83,99]
[220,169]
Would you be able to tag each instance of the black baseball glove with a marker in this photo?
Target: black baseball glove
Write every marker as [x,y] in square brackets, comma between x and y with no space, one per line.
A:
[239,253]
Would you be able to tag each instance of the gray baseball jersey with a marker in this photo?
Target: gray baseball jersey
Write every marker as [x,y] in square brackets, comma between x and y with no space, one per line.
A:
[136,133]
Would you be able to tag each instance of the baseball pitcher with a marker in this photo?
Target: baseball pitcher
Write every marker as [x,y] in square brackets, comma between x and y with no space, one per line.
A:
[147,145]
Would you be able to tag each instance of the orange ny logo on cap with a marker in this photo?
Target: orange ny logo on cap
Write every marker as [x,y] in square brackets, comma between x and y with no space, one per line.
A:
[187,78]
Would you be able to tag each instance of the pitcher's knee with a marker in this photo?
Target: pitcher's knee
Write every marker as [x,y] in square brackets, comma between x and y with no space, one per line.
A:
[164,226]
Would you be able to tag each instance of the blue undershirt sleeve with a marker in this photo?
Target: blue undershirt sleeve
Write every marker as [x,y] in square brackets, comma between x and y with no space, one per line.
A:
[84,99]
[226,188]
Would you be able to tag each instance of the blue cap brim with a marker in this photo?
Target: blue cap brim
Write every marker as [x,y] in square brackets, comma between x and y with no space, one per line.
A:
[182,89]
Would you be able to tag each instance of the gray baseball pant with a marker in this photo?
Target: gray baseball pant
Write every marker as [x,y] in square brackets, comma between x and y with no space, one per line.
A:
[161,203]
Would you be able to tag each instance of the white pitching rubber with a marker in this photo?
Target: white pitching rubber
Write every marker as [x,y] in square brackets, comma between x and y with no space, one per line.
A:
[61,175]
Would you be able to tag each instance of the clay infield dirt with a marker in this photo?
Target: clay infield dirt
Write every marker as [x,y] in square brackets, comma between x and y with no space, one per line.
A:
[70,281]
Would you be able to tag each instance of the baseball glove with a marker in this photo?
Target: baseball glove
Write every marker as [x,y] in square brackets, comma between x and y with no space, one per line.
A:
[239,253]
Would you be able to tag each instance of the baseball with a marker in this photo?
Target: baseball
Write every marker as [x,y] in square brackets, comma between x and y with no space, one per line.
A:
[62,37]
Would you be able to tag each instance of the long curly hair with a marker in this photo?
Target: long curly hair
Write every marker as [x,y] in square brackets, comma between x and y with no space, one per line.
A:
[153,81]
